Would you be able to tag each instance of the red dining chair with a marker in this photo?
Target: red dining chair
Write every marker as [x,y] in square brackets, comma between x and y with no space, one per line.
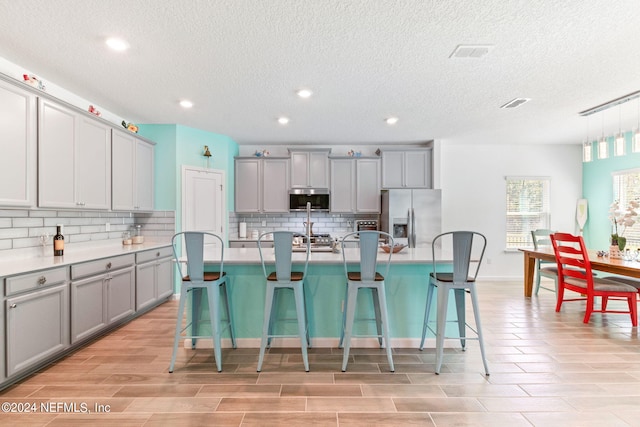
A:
[574,274]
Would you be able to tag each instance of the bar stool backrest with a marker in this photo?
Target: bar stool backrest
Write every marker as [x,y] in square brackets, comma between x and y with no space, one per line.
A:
[462,245]
[283,249]
[369,246]
[194,246]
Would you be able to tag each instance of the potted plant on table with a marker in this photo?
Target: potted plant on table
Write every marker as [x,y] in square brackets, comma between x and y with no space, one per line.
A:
[623,218]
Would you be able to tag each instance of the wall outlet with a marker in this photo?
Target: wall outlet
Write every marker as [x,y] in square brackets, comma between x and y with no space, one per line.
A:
[107,226]
[264,223]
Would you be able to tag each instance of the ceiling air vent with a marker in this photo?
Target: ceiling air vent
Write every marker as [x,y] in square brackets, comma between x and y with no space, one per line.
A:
[516,102]
[471,51]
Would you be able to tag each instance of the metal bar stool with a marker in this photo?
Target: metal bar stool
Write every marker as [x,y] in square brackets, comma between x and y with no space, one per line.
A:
[277,281]
[195,280]
[366,278]
[461,245]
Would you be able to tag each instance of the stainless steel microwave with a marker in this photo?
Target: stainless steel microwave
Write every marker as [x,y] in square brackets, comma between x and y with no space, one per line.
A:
[320,199]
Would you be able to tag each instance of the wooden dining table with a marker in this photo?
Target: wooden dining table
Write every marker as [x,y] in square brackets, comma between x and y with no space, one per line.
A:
[605,264]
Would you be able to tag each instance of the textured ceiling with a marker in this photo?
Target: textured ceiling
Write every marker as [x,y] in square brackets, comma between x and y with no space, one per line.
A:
[241,61]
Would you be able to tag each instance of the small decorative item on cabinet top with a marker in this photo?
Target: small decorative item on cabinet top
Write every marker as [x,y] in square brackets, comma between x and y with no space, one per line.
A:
[130,127]
[352,153]
[263,153]
[32,80]
[93,110]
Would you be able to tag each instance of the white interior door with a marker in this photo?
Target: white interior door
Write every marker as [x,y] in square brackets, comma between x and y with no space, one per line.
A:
[203,200]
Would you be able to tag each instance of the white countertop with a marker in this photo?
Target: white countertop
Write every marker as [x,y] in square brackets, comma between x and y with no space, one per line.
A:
[239,256]
[33,259]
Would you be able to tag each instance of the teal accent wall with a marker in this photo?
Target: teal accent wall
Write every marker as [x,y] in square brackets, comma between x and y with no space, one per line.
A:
[597,188]
[178,145]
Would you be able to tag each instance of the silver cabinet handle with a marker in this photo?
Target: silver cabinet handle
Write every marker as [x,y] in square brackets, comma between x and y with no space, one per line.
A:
[42,280]
[108,266]
[157,253]
[13,306]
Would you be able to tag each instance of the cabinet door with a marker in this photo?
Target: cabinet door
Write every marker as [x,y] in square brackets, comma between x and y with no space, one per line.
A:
[93,164]
[122,171]
[318,170]
[18,161]
[299,170]
[164,278]
[342,185]
[393,169]
[247,174]
[418,169]
[145,285]
[57,132]
[121,297]
[144,176]
[37,327]
[368,185]
[88,307]
[275,185]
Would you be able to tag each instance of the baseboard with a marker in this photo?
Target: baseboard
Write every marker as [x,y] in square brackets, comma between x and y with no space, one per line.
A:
[315,342]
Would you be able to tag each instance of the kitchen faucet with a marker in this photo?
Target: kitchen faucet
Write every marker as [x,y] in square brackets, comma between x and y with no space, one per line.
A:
[309,220]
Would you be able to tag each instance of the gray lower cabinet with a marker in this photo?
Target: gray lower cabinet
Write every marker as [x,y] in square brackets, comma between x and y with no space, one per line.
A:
[37,318]
[98,301]
[154,278]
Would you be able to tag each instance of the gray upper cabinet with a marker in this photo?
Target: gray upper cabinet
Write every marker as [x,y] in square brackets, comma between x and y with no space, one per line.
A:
[261,184]
[407,168]
[74,159]
[132,172]
[309,168]
[18,146]
[355,185]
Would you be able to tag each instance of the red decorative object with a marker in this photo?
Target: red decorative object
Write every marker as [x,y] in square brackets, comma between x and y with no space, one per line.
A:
[93,110]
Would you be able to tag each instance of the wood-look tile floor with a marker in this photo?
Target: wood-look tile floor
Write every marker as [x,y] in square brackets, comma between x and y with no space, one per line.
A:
[547,369]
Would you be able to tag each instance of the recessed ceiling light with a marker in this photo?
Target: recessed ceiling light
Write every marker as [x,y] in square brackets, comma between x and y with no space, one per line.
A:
[283,120]
[186,103]
[304,93]
[471,51]
[391,121]
[515,102]
[117,44]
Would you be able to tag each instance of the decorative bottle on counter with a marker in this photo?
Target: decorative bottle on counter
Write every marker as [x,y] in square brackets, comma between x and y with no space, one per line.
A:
[58,242]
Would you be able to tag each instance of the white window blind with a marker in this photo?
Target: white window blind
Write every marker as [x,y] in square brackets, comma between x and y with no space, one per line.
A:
[527,209]
[626,187]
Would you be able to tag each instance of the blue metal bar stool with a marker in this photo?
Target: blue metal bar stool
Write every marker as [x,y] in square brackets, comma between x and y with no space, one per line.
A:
[366,278]
[461,245]
[194,281]
[280,279]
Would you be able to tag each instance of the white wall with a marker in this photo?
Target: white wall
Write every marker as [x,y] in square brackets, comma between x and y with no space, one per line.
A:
[472,178]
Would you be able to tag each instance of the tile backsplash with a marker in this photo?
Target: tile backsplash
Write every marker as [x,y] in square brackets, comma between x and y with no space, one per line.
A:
[323,222]
[22,228]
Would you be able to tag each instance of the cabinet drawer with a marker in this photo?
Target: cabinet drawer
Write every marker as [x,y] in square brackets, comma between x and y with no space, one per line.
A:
[100,266]
[41,279]
[154,254]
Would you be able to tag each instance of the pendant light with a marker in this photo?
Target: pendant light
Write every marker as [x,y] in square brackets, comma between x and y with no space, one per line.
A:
[587,147]
[635,144]
[603,145]
[619,142]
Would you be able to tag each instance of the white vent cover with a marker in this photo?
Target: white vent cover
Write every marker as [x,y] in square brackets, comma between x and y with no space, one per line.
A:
[516,102]
[470,51]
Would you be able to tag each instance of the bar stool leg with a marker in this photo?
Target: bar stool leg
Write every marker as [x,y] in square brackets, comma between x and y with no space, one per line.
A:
[344,315]
[476,314]
[427,312]
[382,304]
[376,309]
[266,323]
[302,322]
[213,294]
[227,305]
[462,318]
[443,303]
[176,338]
[348,327]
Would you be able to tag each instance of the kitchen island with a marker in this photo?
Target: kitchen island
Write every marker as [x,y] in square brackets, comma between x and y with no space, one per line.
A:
[406,286]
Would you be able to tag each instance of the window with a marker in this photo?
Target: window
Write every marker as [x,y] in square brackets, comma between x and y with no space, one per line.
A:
[527,209]
[626,187]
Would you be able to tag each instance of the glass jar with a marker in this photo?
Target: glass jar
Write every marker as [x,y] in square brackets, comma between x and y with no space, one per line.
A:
[126,238]
[136,233]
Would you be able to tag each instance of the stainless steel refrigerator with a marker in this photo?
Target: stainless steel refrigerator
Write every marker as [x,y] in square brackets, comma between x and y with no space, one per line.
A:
[412,217]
